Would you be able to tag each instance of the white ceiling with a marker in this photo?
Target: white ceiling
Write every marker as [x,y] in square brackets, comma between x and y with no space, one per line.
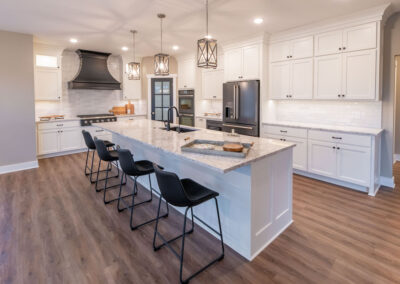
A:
[104,25]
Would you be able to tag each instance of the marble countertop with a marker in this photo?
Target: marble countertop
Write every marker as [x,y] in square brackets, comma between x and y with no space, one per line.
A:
[149,133]
[75,118]
[344,129]
[209,117]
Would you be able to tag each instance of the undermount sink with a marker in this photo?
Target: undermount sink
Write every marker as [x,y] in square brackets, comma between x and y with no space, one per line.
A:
[182,129]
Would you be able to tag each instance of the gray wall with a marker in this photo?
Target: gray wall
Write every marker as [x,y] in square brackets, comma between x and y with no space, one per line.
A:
[397,110]
[17,106]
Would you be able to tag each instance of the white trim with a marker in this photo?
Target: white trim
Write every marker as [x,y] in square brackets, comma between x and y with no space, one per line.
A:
[388,182]
[19,167]
[57,154]
[174,91]
[396,157]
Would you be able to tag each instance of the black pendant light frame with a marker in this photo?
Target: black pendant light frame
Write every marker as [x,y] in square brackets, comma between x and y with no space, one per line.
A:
[161,60]
[207,49]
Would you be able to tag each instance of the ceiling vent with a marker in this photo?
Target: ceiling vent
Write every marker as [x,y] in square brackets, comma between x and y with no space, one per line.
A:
[93,72]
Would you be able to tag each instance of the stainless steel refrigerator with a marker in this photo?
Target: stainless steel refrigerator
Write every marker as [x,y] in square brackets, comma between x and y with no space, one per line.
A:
[241,107]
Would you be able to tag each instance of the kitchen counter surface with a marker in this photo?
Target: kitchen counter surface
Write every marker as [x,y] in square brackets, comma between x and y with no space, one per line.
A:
[75,118]
[148,132]
[345,129]
[209,117]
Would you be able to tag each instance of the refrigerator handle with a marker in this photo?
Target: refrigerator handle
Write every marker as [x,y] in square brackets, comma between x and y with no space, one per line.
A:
[237,102]
[234,101]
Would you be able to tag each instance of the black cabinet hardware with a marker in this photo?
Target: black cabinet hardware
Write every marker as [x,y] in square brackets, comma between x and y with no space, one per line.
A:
[340,48]
[337,138]
[283,131]
[333,147]
[60,124]
[100,130]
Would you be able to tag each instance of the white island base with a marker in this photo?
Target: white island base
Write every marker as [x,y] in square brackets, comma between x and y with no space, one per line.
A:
[255,200]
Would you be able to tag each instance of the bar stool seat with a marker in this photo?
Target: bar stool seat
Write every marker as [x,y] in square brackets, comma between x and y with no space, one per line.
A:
[197,193]
[113,156]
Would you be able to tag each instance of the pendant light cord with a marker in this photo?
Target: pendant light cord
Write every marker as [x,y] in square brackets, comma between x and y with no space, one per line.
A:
[133,35]
[161,32]
[206,18]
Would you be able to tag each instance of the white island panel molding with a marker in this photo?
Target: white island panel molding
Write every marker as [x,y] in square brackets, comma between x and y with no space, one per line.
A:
[255,192]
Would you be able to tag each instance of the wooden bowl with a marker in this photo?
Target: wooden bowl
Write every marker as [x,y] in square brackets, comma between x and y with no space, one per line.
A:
[233,147]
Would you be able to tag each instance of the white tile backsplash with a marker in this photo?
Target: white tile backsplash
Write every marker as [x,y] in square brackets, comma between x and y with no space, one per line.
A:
[75,102]
[342,113]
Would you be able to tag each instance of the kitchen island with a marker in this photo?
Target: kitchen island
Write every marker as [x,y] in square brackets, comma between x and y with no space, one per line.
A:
[255,192]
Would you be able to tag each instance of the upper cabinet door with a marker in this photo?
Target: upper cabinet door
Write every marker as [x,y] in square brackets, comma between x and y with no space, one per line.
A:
[251,62]
[328,77]
[280,80]
[187,74]
[302,79]
[47,84]
[359,75]
[329,43]
[360,37]
[212,83]
[132,89]
[302,48]
[280,51]
[233,64]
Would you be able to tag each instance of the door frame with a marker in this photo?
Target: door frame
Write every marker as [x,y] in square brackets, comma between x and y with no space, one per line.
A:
[174,92]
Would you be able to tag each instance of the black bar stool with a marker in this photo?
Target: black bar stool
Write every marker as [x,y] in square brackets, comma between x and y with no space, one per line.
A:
[184,193]
[109,157]
[136,170]
[92,147]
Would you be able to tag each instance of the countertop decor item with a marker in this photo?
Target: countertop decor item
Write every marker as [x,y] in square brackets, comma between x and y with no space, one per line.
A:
[218,148]
[133,68]
[50,117]
[130,108]
[161,60]
[207,49]
[116,110]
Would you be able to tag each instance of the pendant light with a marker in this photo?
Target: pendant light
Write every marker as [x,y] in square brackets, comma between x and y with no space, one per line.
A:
[207,49]
[133,68]
[161,60]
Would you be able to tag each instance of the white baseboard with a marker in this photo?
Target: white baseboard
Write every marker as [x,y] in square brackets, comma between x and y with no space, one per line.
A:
[388,182]
[18,167]
[57,154]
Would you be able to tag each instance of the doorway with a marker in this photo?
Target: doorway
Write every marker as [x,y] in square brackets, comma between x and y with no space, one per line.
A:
[161,98]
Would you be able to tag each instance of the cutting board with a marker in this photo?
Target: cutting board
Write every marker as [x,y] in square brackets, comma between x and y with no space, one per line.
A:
[116,110]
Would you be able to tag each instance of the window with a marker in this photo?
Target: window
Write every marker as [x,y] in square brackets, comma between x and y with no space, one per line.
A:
[46,61]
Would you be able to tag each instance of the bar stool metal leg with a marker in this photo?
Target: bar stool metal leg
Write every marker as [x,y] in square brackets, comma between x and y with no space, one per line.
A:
[183,235]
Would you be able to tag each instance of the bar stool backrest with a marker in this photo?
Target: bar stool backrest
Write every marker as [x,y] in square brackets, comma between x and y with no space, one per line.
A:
[127,162]
[88,140]
[171,188]
[102,150]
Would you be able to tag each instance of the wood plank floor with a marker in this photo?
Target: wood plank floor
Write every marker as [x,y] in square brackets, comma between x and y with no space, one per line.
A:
[55,229]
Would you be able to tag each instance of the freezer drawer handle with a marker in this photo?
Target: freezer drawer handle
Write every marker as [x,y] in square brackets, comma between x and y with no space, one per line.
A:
[237,126]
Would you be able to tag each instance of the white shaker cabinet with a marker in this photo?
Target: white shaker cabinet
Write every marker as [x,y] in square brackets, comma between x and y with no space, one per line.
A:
[322,158]
[292,49]
[70,139]
[359,73]
[47,84]
[200,122]
[292,79]
[187,73]
[242,63]
[280,80]
[344,40]
[353,164]
[328,77]
[132,89]
[212,84]
[47,141]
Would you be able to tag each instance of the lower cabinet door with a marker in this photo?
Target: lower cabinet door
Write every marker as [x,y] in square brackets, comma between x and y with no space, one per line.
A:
[299,152]
[322,158]
[47,142]
[70,139]
[353,164]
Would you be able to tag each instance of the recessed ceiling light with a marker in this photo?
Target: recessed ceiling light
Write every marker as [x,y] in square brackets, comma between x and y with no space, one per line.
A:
[258,21]
[73,40]
[175,47]
[124,48]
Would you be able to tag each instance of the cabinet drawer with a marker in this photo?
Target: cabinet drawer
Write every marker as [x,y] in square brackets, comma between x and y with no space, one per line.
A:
[284,130]
[57,124]
[343,138]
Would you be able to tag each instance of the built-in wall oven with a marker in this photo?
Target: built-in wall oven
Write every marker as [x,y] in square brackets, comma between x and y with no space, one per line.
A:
[186,107]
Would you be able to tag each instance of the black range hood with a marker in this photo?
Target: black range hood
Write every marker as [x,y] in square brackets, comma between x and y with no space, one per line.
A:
[93,72]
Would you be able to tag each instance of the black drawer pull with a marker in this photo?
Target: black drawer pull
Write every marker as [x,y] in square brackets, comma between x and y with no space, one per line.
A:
[100,130]
[338,138]
[60,124]
[283,131]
